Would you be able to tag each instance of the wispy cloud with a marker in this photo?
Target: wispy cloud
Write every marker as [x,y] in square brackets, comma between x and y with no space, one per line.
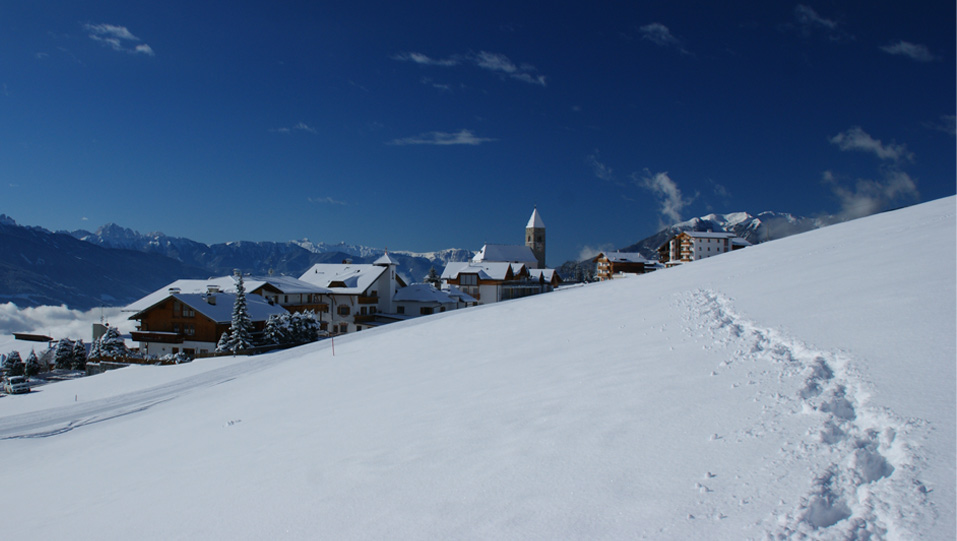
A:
[946,124]
[118,38]
[660,35]
[857,139]
[870,196]
[326,201]
[920,53]
[670,199]
[462,137]
[809,23]
[602,170]
[494,62]
[302,126]
[591,252]
[425,60]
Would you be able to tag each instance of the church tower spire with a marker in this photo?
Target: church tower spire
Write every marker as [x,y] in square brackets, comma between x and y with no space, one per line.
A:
[535,237]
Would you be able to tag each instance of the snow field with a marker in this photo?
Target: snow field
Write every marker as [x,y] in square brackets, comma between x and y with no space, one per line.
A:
[798,389]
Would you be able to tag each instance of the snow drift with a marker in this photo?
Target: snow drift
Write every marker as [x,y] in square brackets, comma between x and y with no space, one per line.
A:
[799,388]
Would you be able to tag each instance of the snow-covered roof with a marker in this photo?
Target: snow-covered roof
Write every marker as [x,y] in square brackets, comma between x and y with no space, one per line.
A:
[506,253]
[535,220]
[385,260]
[487,270]
[259,309]
[546,275]
[710,234]
[347,278]
[423,293]
[285,284]
[625,257]
[459,294]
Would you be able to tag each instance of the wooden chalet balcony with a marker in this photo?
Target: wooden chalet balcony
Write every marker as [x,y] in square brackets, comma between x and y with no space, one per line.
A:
[364,318]
[368,300]
[162,337]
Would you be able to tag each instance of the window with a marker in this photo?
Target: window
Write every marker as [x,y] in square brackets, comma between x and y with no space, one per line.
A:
[362,310]
[468,279]
[426,310]
[343,310]
[400,309]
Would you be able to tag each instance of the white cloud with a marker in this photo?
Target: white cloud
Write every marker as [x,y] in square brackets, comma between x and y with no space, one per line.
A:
[493,62]
[670,200]
[913,51]
[660,35]
[870,196]
[810,23]
[857,139]
[56,322]
[500,63]
[117,38]
[591,252]
[326,200]
[462,137]
[301,126]
[946,124]
[808,17]
[601,170]
[425,60]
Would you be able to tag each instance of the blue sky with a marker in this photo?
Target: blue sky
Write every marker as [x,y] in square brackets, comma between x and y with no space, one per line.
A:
[430,125]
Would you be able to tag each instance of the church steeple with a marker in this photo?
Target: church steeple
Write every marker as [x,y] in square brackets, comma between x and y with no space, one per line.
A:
[535,237]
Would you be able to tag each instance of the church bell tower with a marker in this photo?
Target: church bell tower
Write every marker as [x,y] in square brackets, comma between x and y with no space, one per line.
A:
[535,237]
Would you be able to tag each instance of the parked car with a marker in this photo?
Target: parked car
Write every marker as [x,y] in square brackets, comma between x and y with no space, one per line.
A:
[16,385]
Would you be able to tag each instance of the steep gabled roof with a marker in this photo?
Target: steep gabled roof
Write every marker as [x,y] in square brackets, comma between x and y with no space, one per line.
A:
[344,278]
[487,270]
[283,284]
[507,253]
[535,220]
[623,257]
[259,309]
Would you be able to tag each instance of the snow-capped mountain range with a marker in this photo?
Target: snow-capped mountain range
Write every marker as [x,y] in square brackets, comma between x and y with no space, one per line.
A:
[43,267]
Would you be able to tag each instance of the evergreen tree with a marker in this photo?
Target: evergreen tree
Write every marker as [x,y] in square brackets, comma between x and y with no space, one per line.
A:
[223,345]
[9,361]
[63,358]
[17,368]
[240,329]
[434,279]
[277,329]
[32,366]
[78,360]
[109,346]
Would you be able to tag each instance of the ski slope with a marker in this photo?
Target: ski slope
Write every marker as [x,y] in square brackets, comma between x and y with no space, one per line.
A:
[802,388]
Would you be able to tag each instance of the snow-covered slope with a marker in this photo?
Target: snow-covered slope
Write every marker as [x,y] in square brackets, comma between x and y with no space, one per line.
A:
[804,387]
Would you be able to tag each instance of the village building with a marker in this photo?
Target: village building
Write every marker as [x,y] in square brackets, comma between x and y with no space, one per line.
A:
[422,300]
[609,265]
[192,323]
[361,295]
[500,272]
[690,246]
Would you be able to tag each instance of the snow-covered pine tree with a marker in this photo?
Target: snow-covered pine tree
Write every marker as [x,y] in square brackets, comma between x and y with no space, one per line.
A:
[32,366]
[9,361]
[223,345]
[63,358]
[109,346]
[78,359]
[17,368]
[241,327]
[277,329]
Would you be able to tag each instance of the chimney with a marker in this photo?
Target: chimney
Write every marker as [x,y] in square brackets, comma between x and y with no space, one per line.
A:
[174,291]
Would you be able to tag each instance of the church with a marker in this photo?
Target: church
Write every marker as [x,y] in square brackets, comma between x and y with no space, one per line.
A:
[501,272]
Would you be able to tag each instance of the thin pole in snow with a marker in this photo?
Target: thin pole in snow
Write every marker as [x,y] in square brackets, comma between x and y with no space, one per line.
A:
[333,339]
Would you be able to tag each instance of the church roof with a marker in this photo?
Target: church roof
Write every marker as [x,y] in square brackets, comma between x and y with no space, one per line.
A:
[506,253]
[535,220]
